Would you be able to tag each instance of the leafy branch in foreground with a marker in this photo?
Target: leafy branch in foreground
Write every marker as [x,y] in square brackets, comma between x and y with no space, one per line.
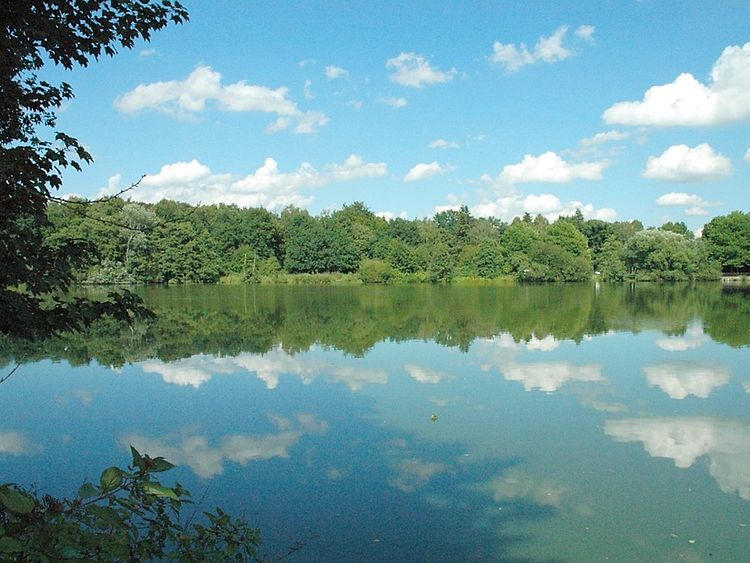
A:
[128,516]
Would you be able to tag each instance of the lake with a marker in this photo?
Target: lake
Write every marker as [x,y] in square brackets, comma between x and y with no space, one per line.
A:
[536,422]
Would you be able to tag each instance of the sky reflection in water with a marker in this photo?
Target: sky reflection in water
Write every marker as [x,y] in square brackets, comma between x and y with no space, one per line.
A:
[616,431]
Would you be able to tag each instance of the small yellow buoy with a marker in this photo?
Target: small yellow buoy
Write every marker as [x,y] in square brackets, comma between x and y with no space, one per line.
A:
[433,418]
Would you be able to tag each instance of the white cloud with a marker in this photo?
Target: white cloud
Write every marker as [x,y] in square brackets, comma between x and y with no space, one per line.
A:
[547,49]
[443,144]
[16,444]
[390,215]
[550,376]
[333,72]
[586,32]
[356,104]
[309,94]
[551,167]
[207,461]
[747,155]
[684,440]
[696,205]
[394,102]
[681,163]
[414,71]
[605,137]
[688,102]
[678,380]
[504,201]
[185,98]
[676,199]
[145,53]
[194,182]
[423,170]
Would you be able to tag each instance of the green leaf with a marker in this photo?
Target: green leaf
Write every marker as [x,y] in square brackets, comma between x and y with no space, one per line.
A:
[137,458]
[161,464]
[10,545]
[159,490]
[111,478]
[16,501]
[87,490]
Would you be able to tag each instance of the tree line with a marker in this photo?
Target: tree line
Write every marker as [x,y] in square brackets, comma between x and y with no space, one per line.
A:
[173,242]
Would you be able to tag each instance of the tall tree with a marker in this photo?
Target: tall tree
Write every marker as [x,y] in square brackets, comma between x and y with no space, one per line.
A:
[34,154]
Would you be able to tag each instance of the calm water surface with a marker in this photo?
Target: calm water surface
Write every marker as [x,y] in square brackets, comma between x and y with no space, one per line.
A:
[542,423]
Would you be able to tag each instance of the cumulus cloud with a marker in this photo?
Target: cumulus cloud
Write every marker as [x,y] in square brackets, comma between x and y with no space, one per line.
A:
[208,460]
[586,32]
[390,215]
[194,182]
[507,203]
[551,167]
[422,171]
[397,103]
[309,94]
[695,204]
[688,102]
[684,440]
[547,49]
[414,71]
[678,380]
[681,163]
[550,376]
[443,144]
[184,98]
[333,72]
[604,137]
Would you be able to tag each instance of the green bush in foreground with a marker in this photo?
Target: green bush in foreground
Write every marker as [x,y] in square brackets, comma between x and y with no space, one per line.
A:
[128,516]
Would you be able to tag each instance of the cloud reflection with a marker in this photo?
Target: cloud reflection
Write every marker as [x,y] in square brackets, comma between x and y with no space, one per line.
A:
[685,439]
[678,380]
[550,376]
[424,375]
[207,461]
[269,367]
[412,474]
[17,444]
[517,485]
[693,338]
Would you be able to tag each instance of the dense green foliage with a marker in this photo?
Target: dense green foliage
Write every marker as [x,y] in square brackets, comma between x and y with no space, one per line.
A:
[127,516]
[728,239]
[172,242]
[37,268]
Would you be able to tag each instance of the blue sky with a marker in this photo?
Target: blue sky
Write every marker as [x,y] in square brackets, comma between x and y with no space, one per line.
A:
[627,110]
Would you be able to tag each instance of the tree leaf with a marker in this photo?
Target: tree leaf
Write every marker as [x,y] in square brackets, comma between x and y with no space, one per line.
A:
[159,490]
[16,501]
[87,490]
[137,458]
[10,545]
[160,464]
[111,478]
